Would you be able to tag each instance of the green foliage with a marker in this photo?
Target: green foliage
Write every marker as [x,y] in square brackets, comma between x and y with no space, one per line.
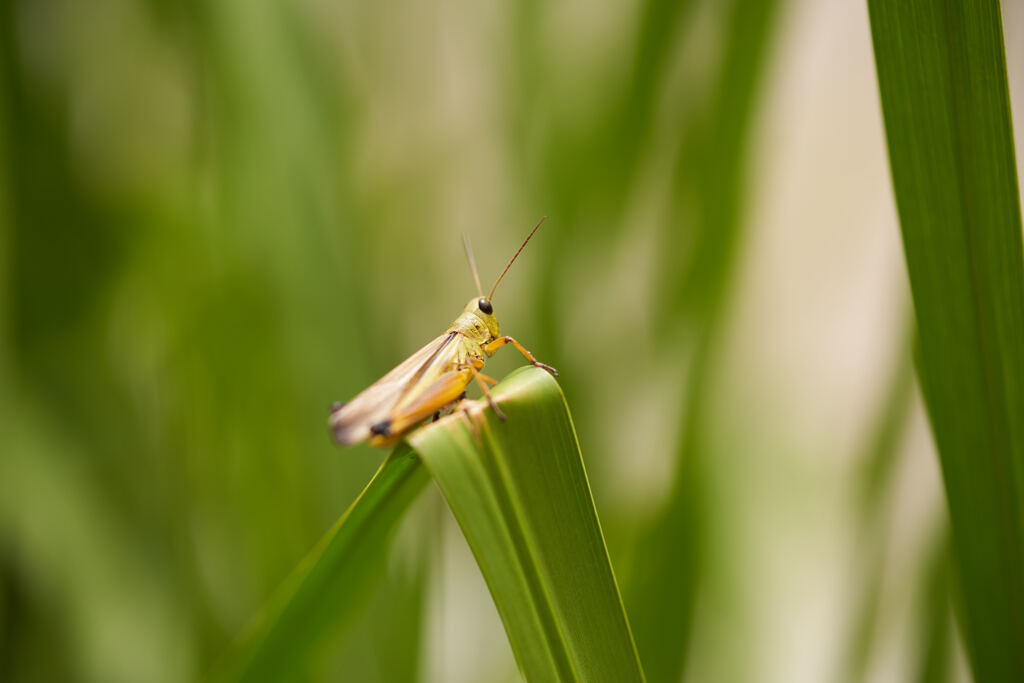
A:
[218,218]
[332,582]
[713,159]
[942,76]
[520,493]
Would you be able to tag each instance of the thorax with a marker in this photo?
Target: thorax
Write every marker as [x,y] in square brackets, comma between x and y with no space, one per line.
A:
[471,327]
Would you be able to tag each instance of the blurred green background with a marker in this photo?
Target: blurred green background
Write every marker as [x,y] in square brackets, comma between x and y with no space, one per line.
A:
[217,218]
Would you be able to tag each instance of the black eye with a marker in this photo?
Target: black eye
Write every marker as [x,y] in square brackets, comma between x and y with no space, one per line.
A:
[485,306]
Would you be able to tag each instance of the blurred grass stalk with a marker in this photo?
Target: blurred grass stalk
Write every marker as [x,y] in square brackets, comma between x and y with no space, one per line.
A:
[942,76]
[710,173]
[877,492]
[332,582]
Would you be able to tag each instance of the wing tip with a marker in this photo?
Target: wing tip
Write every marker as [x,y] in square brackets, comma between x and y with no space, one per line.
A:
[347,433]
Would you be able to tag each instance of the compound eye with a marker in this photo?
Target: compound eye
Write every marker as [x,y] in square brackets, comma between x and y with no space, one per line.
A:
[485,306]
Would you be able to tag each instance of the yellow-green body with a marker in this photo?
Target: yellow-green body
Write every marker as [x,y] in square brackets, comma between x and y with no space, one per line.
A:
[433,378]
[430,380]
[463,345]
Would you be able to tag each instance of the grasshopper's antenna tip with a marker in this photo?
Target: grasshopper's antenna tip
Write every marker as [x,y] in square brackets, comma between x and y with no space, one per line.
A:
[515,256]
[472,262]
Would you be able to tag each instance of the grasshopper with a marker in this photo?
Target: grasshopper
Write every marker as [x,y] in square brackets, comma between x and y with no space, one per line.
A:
[434,378]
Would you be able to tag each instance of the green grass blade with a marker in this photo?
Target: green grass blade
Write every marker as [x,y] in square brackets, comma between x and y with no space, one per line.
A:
[709,183]
[331,580]
[942,76]
[520,493]
[934,662]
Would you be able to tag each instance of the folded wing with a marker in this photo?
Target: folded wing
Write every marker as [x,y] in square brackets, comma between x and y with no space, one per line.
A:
[351,422]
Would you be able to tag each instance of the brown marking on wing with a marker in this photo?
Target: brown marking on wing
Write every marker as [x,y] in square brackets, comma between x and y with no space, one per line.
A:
[445,390]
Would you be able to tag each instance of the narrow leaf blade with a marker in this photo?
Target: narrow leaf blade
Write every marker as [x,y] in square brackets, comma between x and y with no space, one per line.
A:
[331,581]
[519,491]
[942,77]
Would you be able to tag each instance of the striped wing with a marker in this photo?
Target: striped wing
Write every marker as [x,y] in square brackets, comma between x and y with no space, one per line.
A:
[351,422]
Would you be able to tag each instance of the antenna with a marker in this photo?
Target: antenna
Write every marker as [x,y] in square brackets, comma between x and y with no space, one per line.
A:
[472,262]
[491,293]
